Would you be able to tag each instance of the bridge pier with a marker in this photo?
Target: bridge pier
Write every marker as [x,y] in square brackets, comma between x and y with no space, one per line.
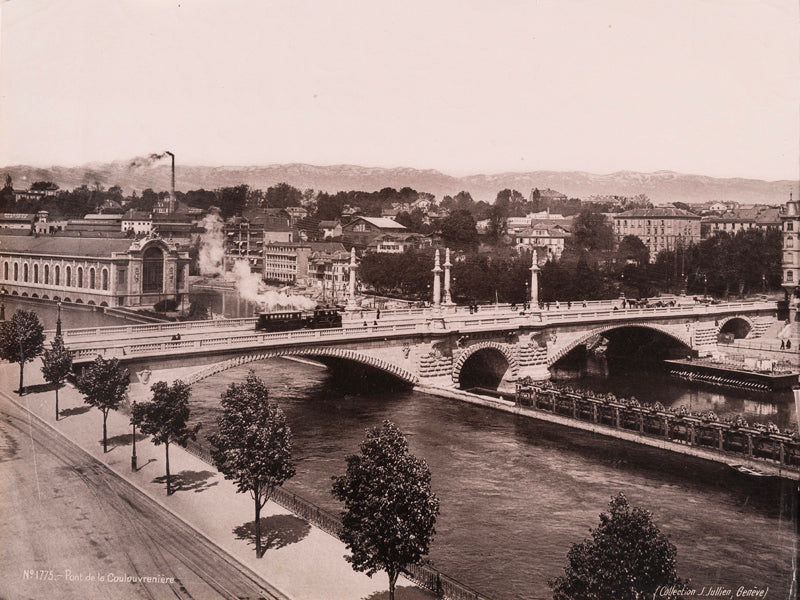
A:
[535,372]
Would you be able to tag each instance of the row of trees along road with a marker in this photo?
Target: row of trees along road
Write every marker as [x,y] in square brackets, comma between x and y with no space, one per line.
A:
[390,510]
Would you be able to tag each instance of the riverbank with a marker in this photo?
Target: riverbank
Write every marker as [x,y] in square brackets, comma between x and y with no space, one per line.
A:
[301,561]
[735,461]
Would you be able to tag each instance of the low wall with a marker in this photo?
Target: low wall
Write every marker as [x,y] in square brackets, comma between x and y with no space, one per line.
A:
[733,459]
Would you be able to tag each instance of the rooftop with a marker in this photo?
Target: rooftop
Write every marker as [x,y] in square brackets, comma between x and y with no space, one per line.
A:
[381,222]
[67,246]
[659,212]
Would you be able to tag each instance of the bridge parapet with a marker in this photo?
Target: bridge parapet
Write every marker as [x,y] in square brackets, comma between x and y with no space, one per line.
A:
[432,344]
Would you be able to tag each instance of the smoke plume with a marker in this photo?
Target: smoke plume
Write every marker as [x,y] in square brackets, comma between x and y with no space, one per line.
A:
[249,285]
[146,161]
[212,245]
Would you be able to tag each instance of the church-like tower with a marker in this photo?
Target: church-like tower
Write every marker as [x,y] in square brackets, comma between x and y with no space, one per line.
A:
[790,226]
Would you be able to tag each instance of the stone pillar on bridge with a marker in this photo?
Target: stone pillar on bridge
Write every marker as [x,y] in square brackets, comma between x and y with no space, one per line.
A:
[437,286]
[447,264]
[351,291]
[534,281]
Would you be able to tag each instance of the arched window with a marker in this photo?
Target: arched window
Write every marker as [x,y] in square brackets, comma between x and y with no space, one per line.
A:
[35,273]
[5,271]
[105,279]
[80,277]
[25,272]
[47,274]
[68,282]
[57,275]
[16,271]
[91,278]
[153,270]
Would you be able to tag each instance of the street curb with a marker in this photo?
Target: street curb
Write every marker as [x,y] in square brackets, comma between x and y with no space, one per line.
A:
[244,568]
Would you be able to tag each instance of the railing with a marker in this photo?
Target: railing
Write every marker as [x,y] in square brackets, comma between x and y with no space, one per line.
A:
[451,321]
[696,431]
[167,327]
[245,341]
[596,308]
[423,575]
[747,345]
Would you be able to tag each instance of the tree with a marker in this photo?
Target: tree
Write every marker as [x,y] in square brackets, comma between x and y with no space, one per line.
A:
[165,416]
[390,509]
[104,385]
[498,222]
[591,231]
[198,308]
[627,558]
[632,248]
[283,195]
[459,229]
[21,340]
[7,195]
[253,444]
[56,364]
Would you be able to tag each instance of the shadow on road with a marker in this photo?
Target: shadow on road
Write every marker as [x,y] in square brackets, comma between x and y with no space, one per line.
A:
[277,531]
[408,592]
[78,410]
[39,387]
[196,481]
[124,439]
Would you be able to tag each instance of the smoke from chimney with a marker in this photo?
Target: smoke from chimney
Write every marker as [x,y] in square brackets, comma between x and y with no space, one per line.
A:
[249,285]
[146,161]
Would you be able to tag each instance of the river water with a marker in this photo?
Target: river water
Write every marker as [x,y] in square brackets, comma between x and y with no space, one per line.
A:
[71,317]
[516,493]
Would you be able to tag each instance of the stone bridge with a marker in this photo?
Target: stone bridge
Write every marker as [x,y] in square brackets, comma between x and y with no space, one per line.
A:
[449,346]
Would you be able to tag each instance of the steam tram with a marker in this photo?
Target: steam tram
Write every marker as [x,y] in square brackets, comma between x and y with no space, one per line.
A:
[322,317]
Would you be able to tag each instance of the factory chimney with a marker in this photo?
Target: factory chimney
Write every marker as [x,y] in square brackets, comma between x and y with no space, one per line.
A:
[172,202]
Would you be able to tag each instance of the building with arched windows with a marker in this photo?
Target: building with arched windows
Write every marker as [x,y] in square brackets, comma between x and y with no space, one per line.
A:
[101,271]
[790,224]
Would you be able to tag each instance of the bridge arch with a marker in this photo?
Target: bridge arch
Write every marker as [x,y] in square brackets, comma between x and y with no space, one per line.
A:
[685,340]
[487,349]
[740,326]
[337,353]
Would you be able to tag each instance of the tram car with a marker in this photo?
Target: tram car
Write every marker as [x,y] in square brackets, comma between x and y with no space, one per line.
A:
[322,317]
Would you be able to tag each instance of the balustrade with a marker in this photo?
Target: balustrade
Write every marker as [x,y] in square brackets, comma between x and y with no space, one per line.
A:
[751,443]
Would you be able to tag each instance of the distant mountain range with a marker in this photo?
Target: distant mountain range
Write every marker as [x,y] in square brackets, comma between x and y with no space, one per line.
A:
[661,187]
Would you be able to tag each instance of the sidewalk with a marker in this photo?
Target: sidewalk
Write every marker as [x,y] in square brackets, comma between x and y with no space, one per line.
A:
[301,561]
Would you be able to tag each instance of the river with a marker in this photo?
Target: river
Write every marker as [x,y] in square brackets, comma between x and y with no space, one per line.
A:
[516,493]
[71,316]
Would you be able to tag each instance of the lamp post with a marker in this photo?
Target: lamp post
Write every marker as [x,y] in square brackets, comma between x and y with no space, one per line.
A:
[763,283]
[705,285]
[133,436]
[58,320]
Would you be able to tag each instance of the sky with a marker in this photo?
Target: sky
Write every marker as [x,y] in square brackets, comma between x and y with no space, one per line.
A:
[707,87]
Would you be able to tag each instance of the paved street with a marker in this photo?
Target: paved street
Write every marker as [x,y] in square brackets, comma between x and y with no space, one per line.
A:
[67,518]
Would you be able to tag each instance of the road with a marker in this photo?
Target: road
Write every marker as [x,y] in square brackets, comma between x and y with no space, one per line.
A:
[72,529]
